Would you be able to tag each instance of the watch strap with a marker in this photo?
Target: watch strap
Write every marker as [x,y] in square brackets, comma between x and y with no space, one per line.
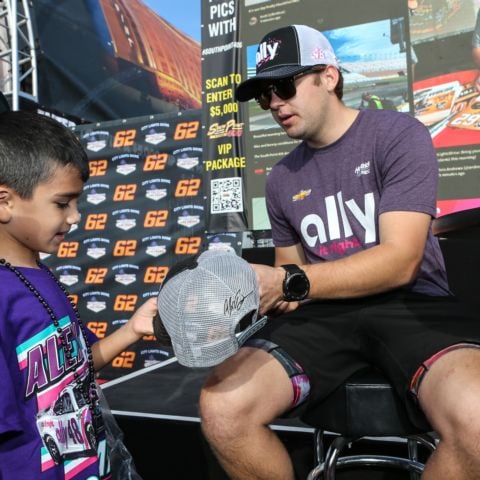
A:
[292,268]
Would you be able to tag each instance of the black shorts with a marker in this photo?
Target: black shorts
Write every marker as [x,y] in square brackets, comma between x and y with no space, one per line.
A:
[395,332]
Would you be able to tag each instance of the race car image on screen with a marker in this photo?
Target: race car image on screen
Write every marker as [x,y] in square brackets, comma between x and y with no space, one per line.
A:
[469,117]
[435,103]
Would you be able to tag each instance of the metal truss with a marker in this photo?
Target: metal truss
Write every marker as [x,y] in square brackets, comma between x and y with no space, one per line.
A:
[18,61]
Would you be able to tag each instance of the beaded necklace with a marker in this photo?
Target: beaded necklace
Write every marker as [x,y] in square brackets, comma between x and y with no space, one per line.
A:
[90,393]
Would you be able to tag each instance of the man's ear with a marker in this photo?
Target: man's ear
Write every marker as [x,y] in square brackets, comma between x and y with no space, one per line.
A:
[331,75]
[6,202]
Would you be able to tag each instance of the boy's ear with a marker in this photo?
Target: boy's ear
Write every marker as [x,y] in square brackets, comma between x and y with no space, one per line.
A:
[6,201]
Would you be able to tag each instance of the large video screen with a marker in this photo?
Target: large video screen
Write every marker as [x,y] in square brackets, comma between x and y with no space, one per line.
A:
[108,59]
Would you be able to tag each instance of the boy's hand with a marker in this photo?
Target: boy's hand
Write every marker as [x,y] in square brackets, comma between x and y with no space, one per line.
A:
[142,320]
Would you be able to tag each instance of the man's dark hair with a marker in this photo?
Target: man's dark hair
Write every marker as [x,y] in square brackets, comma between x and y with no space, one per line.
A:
[339,88]
[32,146]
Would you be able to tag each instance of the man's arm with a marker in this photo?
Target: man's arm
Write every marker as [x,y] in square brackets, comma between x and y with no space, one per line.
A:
[391,264]
[270,280]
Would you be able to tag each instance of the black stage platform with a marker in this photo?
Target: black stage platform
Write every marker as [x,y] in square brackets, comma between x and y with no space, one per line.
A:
[156,407]
[169,391]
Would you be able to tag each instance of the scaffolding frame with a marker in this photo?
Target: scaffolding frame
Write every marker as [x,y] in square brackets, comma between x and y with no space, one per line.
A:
[18,59]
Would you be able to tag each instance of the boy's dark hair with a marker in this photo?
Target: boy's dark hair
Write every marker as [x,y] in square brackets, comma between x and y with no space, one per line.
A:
[32,146]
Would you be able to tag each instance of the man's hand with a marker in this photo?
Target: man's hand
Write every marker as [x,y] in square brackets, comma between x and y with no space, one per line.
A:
[270,281]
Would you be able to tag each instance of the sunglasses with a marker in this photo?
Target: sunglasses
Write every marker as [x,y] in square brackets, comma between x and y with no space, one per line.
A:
[284,88]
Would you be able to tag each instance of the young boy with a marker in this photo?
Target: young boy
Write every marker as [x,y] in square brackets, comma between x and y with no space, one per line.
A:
[49,422]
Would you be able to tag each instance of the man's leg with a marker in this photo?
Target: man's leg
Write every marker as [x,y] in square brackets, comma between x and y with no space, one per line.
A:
[238,401]
[450,397]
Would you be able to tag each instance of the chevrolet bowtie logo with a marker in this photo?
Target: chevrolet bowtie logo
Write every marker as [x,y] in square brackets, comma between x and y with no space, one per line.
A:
[301,195]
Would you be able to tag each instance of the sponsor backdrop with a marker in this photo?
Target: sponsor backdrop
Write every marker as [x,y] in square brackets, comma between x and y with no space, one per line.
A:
[225,159]
[142,210]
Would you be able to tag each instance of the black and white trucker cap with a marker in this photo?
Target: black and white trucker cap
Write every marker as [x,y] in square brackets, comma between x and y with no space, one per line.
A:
[285,52]
[208,306]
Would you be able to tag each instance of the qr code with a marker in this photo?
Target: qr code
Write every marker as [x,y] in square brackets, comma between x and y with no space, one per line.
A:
[226,195]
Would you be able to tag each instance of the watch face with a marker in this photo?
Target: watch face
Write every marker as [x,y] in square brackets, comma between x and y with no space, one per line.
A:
[297,285]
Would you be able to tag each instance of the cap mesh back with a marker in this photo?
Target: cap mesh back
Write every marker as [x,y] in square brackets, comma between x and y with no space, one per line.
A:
[201,308]
[315,48]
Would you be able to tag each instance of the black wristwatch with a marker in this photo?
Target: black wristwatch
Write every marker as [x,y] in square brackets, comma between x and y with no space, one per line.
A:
[295,285]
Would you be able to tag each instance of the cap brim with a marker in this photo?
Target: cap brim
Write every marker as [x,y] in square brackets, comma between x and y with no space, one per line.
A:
[251,87]
[205,355]
[160,332]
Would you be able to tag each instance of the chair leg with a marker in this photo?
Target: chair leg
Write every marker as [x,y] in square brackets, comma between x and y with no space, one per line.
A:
[413,442]
[326,464]
[413,455]
[427,440]
[319,446]
[333,453]
[319,457]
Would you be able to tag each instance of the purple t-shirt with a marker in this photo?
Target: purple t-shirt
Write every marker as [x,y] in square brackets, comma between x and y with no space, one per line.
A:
[329,199]
[40,402]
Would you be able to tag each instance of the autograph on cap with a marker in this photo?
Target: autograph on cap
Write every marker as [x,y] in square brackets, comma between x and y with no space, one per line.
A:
[234,304]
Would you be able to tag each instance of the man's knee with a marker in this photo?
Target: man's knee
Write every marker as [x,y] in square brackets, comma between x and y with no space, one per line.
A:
[220,414]
[450,395]
[249,390]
